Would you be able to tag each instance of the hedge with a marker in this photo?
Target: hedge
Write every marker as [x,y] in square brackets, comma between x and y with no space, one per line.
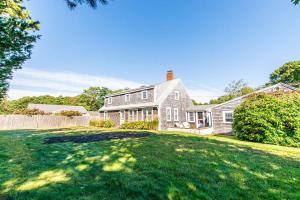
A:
[141,125]
[269,118]
[102,123]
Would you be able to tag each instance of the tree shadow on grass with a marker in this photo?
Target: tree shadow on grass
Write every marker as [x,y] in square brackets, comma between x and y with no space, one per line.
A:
[163,166]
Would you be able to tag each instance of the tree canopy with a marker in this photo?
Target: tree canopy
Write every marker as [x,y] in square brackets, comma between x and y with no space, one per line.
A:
[287,73]
[93,3]
[296,1]
[92,99]
[17,36]
[233,90]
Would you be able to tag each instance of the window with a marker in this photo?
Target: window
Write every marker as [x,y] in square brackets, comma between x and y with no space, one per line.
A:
[109,100]
[191,117]
[122,115]
[177,95]
[145,94]
[105,115]
[169,114]
[176,114]
[131,115]
[127,97]
[228,116]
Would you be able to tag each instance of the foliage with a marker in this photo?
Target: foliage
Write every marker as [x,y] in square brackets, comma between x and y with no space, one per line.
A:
[167,165]
[233,90]
[295,1]
[269,118]
[16,39]
[93,98]
[69,113]
[102,123]
[195,103]
[30,112]
[141,125]
[287,73]
[93,3]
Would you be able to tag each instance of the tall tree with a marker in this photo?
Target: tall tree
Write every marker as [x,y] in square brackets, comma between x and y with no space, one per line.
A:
[287,73]
[93,97]
[17,36]
[295,1]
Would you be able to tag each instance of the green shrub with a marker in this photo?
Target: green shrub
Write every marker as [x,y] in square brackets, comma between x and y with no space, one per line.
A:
[69,113]
[141,125]
[30,112]
[102,123]
[269,118]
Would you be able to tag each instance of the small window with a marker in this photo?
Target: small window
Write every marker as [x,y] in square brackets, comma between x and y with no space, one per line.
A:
[145,94]
[177,95]
[191,117]
[127,97]
[169,114]
[105,115]
[176,114]
[109,100]
[228,116]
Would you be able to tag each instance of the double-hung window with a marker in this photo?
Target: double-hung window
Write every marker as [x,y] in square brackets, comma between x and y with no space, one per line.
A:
[176,115]
[127,97]
[177,95]
[105,115]
[169,114]
[228,116]
[109,100]
[144,94]
[191,117]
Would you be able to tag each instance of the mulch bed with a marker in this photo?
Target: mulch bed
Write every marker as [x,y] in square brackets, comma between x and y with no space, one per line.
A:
[95,137]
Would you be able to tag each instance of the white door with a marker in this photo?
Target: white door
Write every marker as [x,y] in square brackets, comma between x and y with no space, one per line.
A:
[122,117]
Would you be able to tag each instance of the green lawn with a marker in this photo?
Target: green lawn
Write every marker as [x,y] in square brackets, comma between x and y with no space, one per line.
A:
[162,166]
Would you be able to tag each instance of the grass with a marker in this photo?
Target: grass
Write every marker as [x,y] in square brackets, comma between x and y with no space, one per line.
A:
[163,166]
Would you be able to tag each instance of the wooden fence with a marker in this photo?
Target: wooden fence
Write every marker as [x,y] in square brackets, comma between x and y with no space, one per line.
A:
[42,121]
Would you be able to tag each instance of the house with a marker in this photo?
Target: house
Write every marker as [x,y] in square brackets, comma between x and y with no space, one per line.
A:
[219,118]
[171,104]
[48,108]
[167,101]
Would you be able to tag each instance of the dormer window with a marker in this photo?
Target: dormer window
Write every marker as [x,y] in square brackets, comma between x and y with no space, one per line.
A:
[145,94]
[109,100]
[177,95]
[127,97]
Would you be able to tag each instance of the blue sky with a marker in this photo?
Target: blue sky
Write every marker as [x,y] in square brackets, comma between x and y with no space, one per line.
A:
[132,42]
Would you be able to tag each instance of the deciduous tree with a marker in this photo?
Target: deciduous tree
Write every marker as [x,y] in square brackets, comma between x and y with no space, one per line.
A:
[17,36]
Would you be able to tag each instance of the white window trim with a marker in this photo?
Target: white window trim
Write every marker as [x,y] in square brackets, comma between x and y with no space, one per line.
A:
[143,95]
[176,117]
[177,95]
[109,100]
[188,116]
[105,115]
[224,118]
[127,99]
[170,110]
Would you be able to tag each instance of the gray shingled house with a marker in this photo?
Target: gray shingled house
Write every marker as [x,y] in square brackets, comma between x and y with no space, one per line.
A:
[171,104]
[167,101]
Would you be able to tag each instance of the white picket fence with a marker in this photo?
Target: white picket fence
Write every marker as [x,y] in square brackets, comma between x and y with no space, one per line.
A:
[42,121]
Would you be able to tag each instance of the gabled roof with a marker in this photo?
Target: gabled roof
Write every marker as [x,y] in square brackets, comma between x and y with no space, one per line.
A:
[161,92]
[49,108]
[258,91]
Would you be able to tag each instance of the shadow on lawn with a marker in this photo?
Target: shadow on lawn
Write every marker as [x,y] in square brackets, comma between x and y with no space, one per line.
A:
[163,166]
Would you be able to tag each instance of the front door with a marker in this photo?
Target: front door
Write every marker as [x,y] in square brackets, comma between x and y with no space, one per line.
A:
[200,120]
[122,117]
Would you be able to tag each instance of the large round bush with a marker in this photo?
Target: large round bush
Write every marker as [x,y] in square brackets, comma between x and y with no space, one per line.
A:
[269,118]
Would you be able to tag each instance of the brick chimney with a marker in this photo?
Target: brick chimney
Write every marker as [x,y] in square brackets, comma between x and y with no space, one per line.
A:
[170,75]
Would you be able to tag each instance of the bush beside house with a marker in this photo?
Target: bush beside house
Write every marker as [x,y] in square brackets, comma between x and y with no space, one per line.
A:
[141,125]
[269,118]
[102,123]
